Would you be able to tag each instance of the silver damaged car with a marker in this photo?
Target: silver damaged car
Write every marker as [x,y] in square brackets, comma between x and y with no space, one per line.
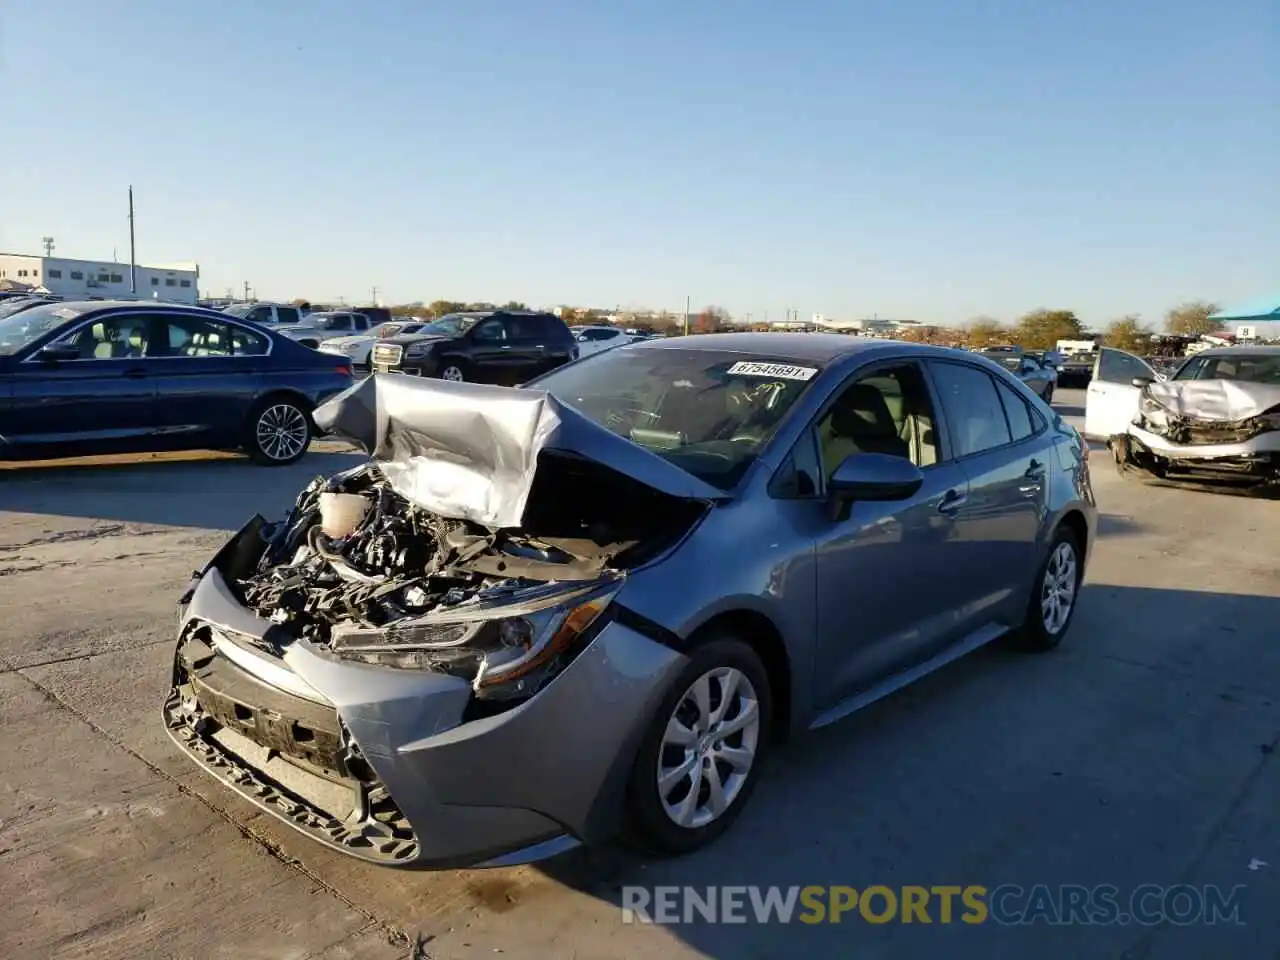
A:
[551,615]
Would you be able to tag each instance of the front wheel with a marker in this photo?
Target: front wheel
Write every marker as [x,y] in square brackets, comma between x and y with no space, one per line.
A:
[279,432]
[1053,599]
[700,759]
[453,372]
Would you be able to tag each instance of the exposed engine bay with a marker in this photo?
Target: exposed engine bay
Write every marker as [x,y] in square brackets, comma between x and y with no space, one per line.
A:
[358,569]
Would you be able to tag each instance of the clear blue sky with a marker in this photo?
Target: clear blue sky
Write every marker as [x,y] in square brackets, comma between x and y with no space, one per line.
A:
[932,160]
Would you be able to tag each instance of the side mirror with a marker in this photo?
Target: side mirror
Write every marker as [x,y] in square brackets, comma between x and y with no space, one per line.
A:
[1141,382]
[871,476]
[55,352]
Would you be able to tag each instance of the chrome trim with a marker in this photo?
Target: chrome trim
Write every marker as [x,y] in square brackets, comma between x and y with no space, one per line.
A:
[199,312]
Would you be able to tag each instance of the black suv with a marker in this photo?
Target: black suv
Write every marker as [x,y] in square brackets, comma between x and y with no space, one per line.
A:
[505,347]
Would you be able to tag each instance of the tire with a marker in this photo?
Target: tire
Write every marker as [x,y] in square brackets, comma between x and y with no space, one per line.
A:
[279,432]
[1048,394]
[739,754]
[454,371]
[1040,631]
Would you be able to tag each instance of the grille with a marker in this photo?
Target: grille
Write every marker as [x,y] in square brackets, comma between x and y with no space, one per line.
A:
[387,354]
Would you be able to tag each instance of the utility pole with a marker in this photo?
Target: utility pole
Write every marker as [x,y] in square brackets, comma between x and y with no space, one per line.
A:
[133,255]
[48,246]
[374,301]
[686,315]
[246,289]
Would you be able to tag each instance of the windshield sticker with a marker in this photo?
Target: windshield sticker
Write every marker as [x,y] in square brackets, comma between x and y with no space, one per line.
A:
[752,368]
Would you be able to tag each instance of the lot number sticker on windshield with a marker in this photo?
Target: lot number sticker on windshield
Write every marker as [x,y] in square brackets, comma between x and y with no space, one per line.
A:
[752,368]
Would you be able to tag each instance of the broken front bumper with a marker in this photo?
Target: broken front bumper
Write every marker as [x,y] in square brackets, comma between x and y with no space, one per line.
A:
[1252,466]
[393,765]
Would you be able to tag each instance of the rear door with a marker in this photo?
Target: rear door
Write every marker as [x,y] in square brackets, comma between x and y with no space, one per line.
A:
[996,437]
[206,374]
[1111,401]
[558,344]
[104,402]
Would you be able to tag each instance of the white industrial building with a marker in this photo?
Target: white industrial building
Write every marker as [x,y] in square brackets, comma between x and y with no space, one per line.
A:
[98,279]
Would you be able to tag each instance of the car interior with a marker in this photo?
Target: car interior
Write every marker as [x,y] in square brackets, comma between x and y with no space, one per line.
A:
[887,412]
[110,340]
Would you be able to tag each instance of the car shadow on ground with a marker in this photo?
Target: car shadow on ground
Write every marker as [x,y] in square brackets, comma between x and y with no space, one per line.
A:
[201,490]
[962,776]
[1113,525]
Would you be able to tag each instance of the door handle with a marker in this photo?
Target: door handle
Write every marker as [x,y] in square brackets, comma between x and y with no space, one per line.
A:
[506,346]
[137,373]
[951,503]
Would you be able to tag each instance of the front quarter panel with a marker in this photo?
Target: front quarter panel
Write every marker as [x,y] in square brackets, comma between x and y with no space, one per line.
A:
[744,556]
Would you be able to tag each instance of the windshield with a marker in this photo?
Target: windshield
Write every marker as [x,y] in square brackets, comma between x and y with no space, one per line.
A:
[18,304]
[330,321]
[708,412]
[20,330]
[238,309]
[450,325]
[1260,368]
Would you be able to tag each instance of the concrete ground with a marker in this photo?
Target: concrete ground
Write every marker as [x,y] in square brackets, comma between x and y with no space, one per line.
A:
[1140,752]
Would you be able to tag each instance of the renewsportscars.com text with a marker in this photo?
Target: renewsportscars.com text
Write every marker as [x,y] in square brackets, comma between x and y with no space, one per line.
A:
[1009,904]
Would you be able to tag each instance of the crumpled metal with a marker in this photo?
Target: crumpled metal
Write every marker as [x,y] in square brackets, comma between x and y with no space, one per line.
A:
[470,451]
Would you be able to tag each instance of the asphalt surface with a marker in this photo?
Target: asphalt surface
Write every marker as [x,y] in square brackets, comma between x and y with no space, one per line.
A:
[1141,752]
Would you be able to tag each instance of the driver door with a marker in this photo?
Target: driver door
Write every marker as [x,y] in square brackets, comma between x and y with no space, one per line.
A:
[1111,401]
[888,576]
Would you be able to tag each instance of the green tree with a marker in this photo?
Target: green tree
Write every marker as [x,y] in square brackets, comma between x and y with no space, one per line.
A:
[1042,329]
[1128,333]
[1191,319]
[514,305]
[985,332]
[438,308]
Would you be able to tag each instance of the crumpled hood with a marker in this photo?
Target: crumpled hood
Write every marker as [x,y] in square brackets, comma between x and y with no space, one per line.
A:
[1218,400]
[470,450]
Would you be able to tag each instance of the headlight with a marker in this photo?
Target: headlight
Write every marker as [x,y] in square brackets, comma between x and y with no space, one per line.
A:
[418,350]
[507,649]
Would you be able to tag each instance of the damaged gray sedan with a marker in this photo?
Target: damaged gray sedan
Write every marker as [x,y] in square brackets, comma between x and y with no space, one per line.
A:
[550,615]
[1213,424]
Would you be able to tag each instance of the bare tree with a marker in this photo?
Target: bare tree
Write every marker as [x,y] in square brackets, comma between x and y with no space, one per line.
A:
[1191,319]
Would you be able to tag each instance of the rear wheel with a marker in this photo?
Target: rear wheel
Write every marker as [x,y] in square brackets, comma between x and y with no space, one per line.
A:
[700,759]
[1053,599]
[279,431]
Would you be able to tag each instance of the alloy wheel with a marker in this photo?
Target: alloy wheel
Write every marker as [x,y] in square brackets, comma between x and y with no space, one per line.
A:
[281,431]
[452,373]
[1058,592]
[708,747]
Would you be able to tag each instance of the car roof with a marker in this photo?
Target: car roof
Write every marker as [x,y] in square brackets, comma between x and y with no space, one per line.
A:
[1265,350]
[94,306]
[813,347]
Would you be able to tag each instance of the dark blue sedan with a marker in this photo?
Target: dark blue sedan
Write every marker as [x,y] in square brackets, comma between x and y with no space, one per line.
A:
[123,377]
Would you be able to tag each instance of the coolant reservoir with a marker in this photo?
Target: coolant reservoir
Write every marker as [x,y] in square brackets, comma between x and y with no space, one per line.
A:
[341,513]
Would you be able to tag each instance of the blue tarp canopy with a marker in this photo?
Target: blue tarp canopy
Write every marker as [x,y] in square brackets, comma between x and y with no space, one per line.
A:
[1260,310]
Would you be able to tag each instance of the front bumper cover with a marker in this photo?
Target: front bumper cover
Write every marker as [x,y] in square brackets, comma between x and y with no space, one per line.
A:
[1251,467]
[387,764]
